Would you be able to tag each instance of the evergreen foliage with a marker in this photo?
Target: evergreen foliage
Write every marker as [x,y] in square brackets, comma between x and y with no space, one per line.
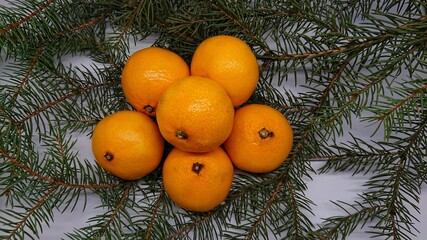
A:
[324,64]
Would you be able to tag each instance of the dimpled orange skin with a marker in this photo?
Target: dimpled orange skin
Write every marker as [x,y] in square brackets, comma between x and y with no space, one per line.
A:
[147,73]
[248,150]
[229,61]
[202,191]
[127,144]
[195,114]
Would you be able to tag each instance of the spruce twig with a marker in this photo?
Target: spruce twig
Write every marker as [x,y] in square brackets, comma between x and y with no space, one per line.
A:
[325,65]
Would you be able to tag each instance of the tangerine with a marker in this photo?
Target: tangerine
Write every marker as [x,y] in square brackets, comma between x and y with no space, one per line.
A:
[229,61]
[197,181]
[195,114]
[147,73]
[261,138]
[127,144]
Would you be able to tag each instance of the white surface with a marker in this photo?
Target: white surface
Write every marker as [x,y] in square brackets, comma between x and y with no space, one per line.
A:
[322,189]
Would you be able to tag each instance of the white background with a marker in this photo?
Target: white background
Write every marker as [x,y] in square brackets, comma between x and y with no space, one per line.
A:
[322,189]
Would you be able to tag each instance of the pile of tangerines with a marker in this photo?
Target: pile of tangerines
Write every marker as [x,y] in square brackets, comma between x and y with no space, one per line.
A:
[201,111]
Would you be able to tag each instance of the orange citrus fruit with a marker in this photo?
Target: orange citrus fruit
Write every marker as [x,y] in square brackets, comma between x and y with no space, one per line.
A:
[197,181]
[127,144]
[195,114]
[147,73]
[261,139]
[229,61]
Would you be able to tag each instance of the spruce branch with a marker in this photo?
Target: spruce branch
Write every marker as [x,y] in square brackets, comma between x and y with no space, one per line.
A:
[72,93]
[190,226]
[349,47]
[26,18]
[264,212]
[401,103]
[157,205]
[32,211]
[27,74]
[87,24]
[116,211]
[344,225]
[324,64]
[236,21]
[391,190]
[52,181]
